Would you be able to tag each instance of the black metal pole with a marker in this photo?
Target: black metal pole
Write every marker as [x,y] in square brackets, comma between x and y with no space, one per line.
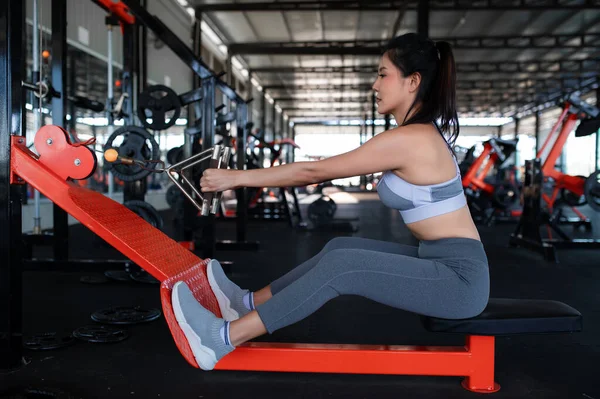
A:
[190,142]
[142,75]
[59,117]
[597,155]
[208,138]
[132,190]
[293,156]
[263,126]
[71,89]
[373,115]
[128,71]
[240,193]
[423,17]
[12,68]
[273,123]
[282,130]
[537,131]
[387,122]
[249,95]
[516,153]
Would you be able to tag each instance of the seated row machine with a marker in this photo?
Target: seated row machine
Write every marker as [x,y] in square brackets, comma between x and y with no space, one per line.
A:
[169,262]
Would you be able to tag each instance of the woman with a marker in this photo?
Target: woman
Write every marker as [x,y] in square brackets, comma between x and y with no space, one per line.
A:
[446,276]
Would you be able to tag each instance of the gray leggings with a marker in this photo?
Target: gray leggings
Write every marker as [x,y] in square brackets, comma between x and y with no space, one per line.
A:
[447,278]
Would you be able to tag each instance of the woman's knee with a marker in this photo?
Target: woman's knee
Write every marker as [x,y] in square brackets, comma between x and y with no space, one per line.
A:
[338,261]
[338,243]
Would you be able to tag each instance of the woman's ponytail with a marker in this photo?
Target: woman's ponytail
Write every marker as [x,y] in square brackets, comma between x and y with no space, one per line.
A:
[444,91]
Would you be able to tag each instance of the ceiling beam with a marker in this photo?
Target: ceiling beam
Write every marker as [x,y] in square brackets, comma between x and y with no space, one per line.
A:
[483,84]
[559,66]
[301,87]
[321,69]
[462,95]
[280,100]
[559,83]
[373,47]
[370,5]
[330,109]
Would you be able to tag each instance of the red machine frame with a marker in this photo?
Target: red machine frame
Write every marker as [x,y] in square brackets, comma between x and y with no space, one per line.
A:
[482,165]
[475,176]
[169,262]
[574,184]
[478,171]
[118,9]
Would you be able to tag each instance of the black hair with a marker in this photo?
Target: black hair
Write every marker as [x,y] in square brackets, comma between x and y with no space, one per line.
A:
[434,61]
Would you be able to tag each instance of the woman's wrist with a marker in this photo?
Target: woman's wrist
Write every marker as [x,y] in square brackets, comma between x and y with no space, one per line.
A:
[238,179]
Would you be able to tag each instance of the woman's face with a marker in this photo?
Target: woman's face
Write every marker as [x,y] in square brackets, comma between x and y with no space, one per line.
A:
[394,92]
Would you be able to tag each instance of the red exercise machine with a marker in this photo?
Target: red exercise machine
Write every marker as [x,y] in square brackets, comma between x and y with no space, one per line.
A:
[574,190]
[491,198]
[570,188]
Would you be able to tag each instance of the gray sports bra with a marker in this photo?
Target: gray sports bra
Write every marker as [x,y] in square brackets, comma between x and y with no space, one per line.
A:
[417,202]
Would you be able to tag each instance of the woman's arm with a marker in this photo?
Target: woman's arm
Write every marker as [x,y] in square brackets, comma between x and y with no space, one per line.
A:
[386,151]
[288,175]
[381,153]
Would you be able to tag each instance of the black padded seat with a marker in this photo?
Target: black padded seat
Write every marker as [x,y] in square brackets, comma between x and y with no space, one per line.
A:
[504,316]
[509,143]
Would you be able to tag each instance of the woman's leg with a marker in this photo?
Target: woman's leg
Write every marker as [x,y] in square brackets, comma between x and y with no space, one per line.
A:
[339,243]
[422,286]
[235,302]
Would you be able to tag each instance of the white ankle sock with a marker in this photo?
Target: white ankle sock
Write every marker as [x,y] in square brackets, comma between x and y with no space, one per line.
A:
[225,334]
[249,300]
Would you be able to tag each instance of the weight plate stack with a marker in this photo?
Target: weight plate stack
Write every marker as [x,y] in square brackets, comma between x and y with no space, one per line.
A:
[47,341]
[100,334]
[126,315]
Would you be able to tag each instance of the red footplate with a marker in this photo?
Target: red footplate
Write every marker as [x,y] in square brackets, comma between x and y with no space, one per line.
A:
[196,279]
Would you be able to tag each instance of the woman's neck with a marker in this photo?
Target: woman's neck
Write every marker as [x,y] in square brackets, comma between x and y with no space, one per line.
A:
[404,114]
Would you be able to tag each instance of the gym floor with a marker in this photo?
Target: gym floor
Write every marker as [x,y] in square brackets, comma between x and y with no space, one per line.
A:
[148,365]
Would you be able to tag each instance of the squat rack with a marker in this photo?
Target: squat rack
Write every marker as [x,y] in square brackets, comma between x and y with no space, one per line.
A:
[209,82]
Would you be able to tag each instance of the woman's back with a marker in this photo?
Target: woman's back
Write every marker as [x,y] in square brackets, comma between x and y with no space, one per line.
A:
[431,163]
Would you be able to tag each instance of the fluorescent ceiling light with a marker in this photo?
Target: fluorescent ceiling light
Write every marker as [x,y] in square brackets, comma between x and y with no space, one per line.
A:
[483,121]
[210,34]
[236,63]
